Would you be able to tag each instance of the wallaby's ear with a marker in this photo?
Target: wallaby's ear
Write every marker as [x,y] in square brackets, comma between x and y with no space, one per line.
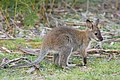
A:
[88,21]
[89,24]
[97,22]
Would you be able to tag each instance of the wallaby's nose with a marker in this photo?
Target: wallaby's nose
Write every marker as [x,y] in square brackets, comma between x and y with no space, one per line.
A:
[101,39]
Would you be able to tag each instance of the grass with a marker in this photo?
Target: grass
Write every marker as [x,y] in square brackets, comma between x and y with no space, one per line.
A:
[114,46]
[97,68]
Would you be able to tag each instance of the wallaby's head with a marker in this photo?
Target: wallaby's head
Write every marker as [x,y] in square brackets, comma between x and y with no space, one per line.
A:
[95,32]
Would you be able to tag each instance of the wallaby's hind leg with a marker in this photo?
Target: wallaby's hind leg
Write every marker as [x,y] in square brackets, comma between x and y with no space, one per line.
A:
[62,58]
[56,59]
[84,61]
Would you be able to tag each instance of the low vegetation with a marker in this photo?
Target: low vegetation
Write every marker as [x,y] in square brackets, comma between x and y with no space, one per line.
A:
[97,68]
[24,22]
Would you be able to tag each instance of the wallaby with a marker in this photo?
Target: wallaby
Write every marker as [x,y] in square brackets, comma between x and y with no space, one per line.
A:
[65,40]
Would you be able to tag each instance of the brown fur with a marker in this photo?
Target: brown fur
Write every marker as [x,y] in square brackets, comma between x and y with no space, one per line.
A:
[65,40]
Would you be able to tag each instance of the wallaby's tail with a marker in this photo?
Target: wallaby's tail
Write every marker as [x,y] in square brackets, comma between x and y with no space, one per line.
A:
[41,56]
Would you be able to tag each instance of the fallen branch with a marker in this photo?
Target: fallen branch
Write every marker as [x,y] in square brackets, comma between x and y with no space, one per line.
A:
[3,49]
[90,51]
[111,40]
[95,52]
[75,24]
[102,51]
[30,51]
[67,5]
[6,62]
[110,53]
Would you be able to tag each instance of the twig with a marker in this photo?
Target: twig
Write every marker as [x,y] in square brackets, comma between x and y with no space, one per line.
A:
[111,40]
[110,53]
[76,24]
[69,6]
[6,62]
[7,23]
[94,51]
[30,51]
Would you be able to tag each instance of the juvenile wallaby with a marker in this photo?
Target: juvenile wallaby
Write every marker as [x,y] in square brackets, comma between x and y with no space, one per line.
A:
[65,40]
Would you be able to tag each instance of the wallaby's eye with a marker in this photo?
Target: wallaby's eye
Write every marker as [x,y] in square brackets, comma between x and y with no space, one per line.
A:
[95,33]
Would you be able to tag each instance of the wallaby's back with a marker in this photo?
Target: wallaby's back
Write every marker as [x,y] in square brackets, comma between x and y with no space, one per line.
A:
[62,36]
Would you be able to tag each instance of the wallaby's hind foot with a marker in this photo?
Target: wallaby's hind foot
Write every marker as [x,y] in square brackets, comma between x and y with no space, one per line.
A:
[71,65]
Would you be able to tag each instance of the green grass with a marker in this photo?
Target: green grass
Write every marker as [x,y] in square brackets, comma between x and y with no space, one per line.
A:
[97,68]
[115,46]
